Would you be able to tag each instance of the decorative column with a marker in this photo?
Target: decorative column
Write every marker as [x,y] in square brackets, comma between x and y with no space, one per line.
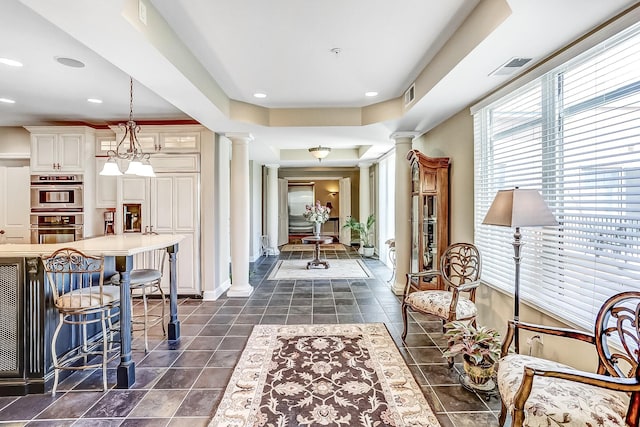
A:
[240,210]
[364,202]
[272,208]
[402,208]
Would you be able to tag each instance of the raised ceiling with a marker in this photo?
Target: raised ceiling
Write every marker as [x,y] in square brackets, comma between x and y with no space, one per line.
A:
[204,60]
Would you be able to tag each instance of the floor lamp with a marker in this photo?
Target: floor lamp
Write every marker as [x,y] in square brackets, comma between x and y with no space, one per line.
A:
[518,208]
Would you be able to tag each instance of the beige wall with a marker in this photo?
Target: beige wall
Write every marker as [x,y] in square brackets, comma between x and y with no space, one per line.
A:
[14,140]
[454,139]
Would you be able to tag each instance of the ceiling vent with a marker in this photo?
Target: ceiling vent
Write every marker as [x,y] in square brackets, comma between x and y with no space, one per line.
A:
[410,95]
[510,67]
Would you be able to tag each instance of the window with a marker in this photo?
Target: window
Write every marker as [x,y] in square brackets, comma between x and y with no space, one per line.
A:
[573,134]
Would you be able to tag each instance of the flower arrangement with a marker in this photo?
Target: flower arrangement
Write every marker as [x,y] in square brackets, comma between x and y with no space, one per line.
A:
[316,213]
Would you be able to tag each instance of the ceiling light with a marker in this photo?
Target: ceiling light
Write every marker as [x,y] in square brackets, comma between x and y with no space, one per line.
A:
[69,62]
[260,95]
[7,101]
[131,151]
[10,62]
[370,94]
[94,100]
[320,152]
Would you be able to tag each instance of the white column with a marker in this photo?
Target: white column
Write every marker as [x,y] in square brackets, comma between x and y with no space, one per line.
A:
[240,214]
[365,202]
[402,208]
[272,208]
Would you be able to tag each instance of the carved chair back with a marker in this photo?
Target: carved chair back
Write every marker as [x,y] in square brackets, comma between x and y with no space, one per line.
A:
[460,264]
[617,335]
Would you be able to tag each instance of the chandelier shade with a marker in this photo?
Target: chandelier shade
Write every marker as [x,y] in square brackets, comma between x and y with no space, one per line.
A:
[320,152]
[129,149]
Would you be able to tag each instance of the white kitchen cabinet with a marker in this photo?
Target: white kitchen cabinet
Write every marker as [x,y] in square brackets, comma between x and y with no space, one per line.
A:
[57,152]
[14,204]
[106,187]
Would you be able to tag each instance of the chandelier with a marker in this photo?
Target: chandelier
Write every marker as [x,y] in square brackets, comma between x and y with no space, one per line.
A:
[128,149]
[320,152]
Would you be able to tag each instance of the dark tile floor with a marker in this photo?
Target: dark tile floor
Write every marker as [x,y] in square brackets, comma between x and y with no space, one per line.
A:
[181,384]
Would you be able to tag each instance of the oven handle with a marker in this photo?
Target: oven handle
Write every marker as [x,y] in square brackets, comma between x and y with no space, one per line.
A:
[48,186]
[68,227]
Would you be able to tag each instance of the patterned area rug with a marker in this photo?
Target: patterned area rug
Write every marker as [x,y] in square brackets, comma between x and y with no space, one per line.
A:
[329,247]
[338,269]
[322,375]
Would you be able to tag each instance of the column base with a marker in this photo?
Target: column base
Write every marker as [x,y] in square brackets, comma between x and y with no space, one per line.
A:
[398,288]
[239,291]
[273,251]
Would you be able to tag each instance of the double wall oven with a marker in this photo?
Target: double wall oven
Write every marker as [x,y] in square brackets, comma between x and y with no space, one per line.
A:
[56,208]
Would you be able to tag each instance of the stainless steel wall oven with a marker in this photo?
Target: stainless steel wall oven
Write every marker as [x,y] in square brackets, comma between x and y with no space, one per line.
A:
[56,227]
[56,192]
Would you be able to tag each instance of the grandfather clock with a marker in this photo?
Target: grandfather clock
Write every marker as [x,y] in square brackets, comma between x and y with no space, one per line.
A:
[429,213]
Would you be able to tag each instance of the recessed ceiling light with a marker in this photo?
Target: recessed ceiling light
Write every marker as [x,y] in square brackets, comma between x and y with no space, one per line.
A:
[7,101]
[69,62]
[370,94]
[260,95]
[94,100]
[10,62]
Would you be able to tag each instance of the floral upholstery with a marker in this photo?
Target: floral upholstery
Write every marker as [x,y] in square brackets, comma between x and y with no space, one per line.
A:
[555,402]
[438,303]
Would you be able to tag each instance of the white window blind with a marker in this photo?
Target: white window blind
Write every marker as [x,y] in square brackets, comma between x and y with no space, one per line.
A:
[573,134]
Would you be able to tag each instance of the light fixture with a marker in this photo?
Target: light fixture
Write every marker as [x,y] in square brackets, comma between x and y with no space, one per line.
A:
[10,62]
[518,208]
[260,95]
[130,151]
[371,94]
[320,152]
[94,100]
[7,101]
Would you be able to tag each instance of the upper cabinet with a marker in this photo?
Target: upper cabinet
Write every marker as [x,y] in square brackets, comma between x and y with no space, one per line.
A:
[429,213]
[158,139]
[59,149]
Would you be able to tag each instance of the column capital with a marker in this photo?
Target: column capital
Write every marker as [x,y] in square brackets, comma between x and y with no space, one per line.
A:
[411,135]
[364,165]
[272,166]
[239,136]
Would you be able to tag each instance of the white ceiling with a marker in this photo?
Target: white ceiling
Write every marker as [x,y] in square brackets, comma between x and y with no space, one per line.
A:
[197,58]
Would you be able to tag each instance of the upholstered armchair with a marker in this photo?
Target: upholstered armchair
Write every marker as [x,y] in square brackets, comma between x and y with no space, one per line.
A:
[539,392]
[460,269]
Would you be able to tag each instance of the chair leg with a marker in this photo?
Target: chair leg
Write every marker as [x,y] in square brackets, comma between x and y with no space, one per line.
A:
[145,321]
[164,302]
[404,321]
[54,356]
[105,355]
[503,414]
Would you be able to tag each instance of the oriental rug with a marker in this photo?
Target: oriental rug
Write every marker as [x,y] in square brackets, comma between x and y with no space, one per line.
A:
[328,247]
[338,269]
[322,375]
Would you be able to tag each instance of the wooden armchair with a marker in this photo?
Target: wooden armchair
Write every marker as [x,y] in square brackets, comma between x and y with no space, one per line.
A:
[539,392]
[460,269]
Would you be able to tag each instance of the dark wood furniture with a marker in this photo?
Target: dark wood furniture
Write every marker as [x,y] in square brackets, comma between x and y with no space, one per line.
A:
[429,215]
[317,241]
[460,268]
[616,338]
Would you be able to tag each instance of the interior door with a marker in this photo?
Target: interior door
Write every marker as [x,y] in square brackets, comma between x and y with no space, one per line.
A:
[283,212]
[344,198]
[14,204]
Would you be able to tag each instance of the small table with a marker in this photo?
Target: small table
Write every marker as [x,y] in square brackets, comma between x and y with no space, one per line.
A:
[317,241]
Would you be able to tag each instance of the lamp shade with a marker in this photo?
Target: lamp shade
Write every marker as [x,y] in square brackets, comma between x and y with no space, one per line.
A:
[320,152]
[110,168]
[519,208]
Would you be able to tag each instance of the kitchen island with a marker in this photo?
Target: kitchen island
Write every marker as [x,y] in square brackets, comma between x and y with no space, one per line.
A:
[29,317]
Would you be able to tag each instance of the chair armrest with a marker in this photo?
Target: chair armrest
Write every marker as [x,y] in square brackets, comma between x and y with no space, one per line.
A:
[612,383]
[467,286]
[548,330]
[418,274]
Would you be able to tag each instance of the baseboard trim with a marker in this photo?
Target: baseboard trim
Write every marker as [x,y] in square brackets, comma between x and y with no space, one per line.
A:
[216,293]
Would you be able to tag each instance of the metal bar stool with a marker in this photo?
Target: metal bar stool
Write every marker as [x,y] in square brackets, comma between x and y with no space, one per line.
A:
[146,281]
[82,299]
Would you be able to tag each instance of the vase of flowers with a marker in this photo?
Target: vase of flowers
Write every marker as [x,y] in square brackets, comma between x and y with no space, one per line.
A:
[318,215]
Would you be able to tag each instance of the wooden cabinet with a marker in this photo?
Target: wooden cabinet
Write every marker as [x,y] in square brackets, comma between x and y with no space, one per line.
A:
[14,204]
[55,152]
[429,213]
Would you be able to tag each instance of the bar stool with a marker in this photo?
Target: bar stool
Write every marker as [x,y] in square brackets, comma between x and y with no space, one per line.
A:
[82,299]
[146,281]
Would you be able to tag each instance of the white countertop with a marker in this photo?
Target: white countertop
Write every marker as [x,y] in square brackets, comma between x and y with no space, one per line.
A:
[114,245]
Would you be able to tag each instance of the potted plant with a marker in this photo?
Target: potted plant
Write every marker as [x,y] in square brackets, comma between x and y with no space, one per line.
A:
[480,348]
[364,231]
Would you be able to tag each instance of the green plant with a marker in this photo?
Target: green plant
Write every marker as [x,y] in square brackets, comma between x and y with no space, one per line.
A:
[480,346]
[363,230]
